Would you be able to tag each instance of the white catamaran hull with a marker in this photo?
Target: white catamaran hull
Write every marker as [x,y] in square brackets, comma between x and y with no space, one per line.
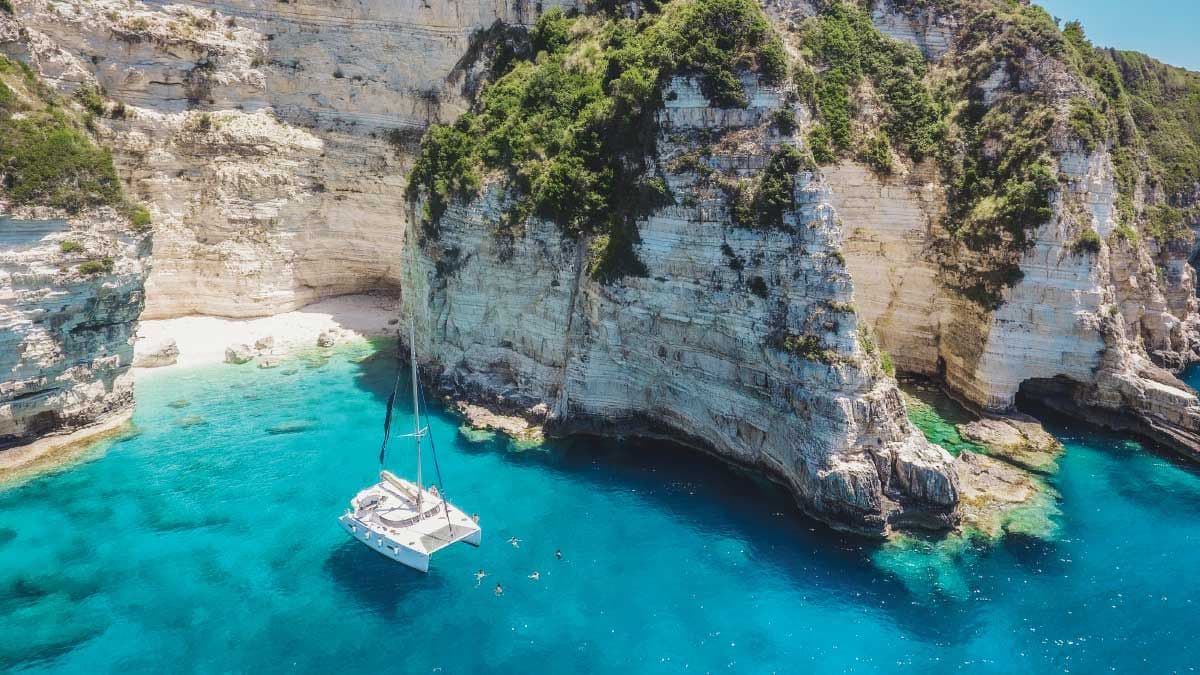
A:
[401,554]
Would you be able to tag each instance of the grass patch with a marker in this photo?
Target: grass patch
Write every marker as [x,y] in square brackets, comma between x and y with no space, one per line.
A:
[95,267]
[69,246]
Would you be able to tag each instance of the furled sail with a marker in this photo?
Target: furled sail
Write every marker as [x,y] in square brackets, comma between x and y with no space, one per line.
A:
[387,426]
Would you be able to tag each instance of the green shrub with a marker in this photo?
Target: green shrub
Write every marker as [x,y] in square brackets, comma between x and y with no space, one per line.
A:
[1088,123]
[8,98]
[1166,223]
[784,121]
[69,246]
[821,145]
[6,6]
[91,98]
[843,40]
[878,153]
[139,218]
[94,267]
[552,32]
[1126,233]
[776,187]
[805,346]
[885,362]
[1088,242]
[48,161]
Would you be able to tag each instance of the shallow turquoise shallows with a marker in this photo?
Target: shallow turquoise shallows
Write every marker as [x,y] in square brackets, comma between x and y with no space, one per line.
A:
[206,543]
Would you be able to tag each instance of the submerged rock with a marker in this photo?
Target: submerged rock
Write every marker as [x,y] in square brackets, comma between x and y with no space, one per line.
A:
[190,421]
[291,426]
[999,498]
[474,435]
[524,435]
[179,403]
[1017,438]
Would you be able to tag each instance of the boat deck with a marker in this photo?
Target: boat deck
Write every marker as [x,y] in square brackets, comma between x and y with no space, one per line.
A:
[389,509]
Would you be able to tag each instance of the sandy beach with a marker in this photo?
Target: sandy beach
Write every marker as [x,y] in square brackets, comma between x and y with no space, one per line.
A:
[202,340]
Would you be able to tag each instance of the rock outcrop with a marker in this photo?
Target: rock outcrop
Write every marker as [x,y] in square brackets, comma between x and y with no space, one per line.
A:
[66,330]
[1103,324]
[155,354]
[694,349]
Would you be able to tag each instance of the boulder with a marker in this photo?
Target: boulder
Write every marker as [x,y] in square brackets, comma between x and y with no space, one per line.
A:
[326,339]
[238,354]
[264,343]
[155,354]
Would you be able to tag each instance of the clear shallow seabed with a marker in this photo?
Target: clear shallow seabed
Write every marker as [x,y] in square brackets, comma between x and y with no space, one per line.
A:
[205,543]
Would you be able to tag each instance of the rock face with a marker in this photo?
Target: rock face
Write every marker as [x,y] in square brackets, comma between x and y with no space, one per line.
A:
[692,350]
[66,336]
[270,138]
[1101,326]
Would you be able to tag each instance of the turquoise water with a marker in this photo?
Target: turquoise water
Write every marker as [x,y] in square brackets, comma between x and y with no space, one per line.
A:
[207,544]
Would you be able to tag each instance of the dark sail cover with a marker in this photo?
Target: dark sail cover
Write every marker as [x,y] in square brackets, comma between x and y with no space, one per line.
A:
[387,425]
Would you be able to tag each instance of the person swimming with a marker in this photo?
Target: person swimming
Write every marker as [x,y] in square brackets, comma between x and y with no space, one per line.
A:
[479,577]
[558,554]
[536,575]
[516,543]
[499,590]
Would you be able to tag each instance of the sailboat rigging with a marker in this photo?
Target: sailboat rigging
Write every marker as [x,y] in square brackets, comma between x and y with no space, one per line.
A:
[398,518]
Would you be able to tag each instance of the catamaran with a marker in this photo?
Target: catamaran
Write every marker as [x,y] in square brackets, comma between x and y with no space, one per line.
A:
[405,521]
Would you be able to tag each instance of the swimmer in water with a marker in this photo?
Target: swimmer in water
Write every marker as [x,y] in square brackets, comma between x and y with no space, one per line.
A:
[536,575]
[558,554]
[516,543]
[479,577]
[499,590]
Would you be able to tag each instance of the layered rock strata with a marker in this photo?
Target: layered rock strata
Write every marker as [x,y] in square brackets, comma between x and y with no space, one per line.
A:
[690,351]
[270,138]
[66,331]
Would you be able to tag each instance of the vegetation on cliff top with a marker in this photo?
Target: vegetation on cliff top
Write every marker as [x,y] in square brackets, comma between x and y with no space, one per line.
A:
[572,128]
[1148,113]
[46,155]
[841,47]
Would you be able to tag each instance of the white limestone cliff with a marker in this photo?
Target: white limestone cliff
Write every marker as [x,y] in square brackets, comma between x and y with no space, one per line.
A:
[690,351]
[66,334]
[270,138]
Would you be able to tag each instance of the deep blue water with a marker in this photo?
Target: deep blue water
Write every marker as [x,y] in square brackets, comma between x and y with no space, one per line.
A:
[206,544]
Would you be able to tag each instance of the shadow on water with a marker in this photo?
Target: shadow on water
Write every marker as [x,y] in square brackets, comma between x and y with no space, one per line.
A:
[693,486]
[1141,482]
[375,581]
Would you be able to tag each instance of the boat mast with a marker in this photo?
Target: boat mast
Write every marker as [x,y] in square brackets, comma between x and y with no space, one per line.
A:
[417,432]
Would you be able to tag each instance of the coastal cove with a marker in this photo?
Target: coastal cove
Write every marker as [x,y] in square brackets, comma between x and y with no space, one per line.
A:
[207,536]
